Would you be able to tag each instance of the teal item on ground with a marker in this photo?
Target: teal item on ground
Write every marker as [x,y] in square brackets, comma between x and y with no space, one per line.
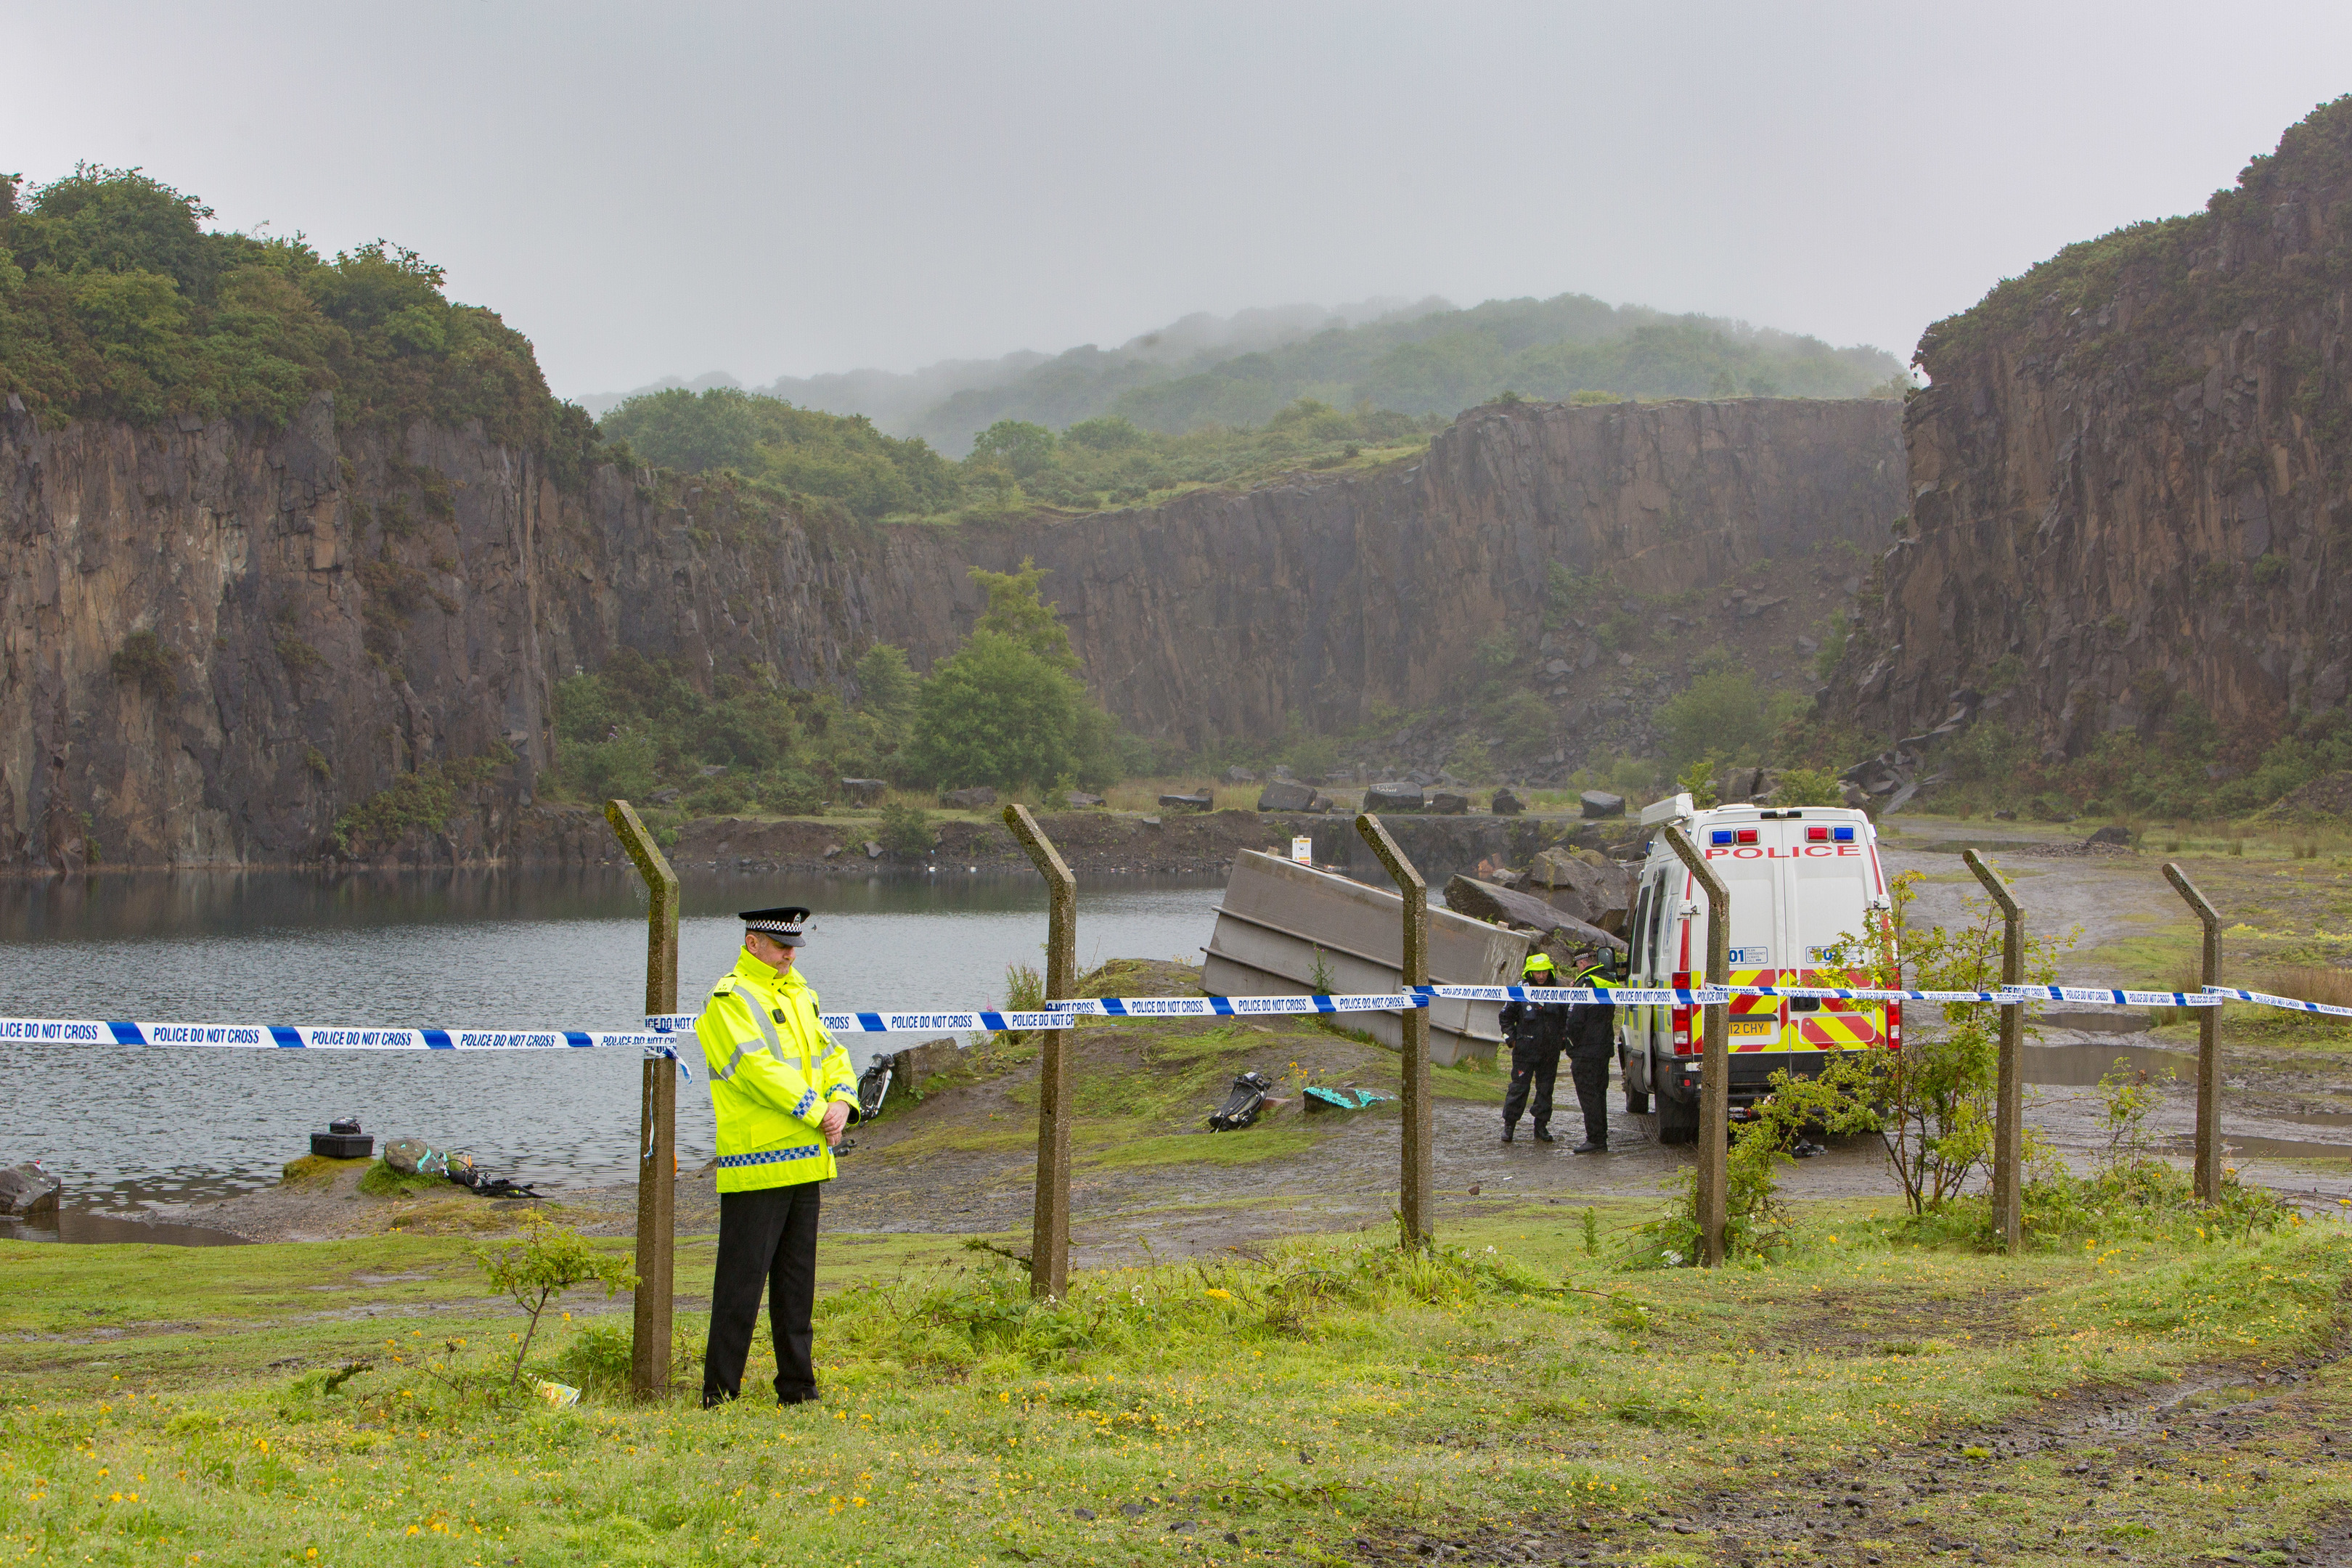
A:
[1342,1098]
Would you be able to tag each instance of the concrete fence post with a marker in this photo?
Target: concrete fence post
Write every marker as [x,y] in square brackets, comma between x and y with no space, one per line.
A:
[1414,1225]
[1049,1235]
[2209,1042]
[2009,1101]
[1715,1055]
[658,1130]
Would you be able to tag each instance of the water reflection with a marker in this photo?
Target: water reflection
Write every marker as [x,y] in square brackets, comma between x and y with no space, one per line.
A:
[492,949]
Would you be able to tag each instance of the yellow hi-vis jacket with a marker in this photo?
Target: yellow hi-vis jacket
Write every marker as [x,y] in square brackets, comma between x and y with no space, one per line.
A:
[773,1069]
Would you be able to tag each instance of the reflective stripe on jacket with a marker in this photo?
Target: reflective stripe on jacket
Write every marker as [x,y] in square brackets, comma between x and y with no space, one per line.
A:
[773,1069]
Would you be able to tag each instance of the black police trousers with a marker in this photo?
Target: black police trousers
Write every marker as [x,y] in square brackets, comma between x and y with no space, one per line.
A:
[1532,1067]
[1591,1077]
[768,1238]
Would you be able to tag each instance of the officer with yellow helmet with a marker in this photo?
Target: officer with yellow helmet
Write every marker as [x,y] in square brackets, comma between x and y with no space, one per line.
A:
[1538,1032]
[783,1091]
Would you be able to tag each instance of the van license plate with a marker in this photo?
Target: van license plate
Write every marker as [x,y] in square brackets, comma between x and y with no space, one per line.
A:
[1750,1031]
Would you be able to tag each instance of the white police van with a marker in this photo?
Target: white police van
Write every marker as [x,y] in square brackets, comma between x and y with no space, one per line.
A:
[1802,879]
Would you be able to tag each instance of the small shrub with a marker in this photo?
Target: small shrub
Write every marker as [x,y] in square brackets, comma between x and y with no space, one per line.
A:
[542,1263]
[145,660]
[906,830]
[298,657]
[1807,786]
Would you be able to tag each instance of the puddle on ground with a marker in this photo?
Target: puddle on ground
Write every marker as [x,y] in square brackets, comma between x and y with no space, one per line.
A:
[71,1225]
[2273,1148]
[2081,1065]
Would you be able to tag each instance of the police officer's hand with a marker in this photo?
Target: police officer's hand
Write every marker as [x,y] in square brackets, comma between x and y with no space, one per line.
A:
[836,1117]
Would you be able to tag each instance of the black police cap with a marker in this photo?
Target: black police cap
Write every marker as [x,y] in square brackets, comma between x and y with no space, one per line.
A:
[788,924]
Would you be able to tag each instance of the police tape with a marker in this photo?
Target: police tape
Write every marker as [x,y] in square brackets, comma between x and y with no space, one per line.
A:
[659,1037]
[1063,1014]
[325,1038]
[2264,999]
[1703,995]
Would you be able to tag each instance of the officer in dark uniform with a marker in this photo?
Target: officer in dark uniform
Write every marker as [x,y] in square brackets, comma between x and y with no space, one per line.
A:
[1536,1031]
[1591,1038]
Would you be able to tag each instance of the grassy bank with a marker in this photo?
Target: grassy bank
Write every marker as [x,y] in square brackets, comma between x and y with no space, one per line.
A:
[1330,1400]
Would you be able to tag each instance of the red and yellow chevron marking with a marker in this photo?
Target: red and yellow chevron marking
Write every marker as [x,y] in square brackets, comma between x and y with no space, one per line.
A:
[1837,1026]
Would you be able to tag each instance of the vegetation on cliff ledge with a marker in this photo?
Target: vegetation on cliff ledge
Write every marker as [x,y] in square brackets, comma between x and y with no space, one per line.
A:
[1015,466]
[116,303]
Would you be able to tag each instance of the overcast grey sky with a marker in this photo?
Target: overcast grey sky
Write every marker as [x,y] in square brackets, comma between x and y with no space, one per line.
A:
[649,190]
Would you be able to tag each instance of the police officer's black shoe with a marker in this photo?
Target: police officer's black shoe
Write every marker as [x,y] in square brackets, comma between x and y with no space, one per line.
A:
[1589,1147]
[1542,1136]
[1506,1134]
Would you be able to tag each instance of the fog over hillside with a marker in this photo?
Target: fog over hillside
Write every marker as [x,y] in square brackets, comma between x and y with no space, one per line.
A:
[1422,357]
[898,401]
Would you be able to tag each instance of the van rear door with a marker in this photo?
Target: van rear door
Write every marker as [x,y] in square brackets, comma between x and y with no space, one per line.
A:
[1833,886]
[1750,865]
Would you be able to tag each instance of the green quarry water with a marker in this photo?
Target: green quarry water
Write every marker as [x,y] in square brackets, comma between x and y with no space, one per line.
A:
[132,1127]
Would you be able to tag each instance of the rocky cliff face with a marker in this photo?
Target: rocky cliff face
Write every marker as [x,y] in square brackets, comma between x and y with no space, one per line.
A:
[212,640]
[2130,478]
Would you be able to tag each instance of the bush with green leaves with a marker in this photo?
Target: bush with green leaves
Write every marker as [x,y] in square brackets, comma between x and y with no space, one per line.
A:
[1006,709]
[1807,786]
[802,450]
[1725,713]
[541,1263]
[116,302]
[1932,1101]
[906,830]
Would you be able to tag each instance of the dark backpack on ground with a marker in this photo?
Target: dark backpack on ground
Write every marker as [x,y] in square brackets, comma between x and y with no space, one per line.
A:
[1241,1105]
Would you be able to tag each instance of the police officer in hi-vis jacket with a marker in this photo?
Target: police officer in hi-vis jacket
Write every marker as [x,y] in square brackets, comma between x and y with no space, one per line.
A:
[783,1091]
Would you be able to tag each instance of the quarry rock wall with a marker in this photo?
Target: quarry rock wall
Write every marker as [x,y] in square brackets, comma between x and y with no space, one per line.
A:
[2129,481]
[214,638]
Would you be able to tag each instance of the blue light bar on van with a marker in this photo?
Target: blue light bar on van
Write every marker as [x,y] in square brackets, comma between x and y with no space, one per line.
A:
[1723,835]
[1843,834]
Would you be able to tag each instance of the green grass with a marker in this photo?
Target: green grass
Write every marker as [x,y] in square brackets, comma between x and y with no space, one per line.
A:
[1332,1390]
[382,1181]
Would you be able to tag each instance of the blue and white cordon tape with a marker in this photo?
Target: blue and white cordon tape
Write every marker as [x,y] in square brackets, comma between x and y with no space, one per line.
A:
[659,1037]
[321,1037]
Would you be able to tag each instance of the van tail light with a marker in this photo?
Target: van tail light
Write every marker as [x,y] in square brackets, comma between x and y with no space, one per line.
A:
[1683,1045]
[1895,1026]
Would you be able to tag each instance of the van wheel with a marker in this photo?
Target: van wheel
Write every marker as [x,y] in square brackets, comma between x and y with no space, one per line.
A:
[1677,1123]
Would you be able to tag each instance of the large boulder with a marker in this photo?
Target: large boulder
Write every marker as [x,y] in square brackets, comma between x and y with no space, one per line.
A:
[1284,795]
[1239,775]
[1507,804]
[1078,801]
[1486,901]
[979,797]
[2118,837]
[863,792]
[1447,803]
[912,1067]
[1392,797]
[27,1190]
[1600,803]
[1204,801]
[1585,884]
